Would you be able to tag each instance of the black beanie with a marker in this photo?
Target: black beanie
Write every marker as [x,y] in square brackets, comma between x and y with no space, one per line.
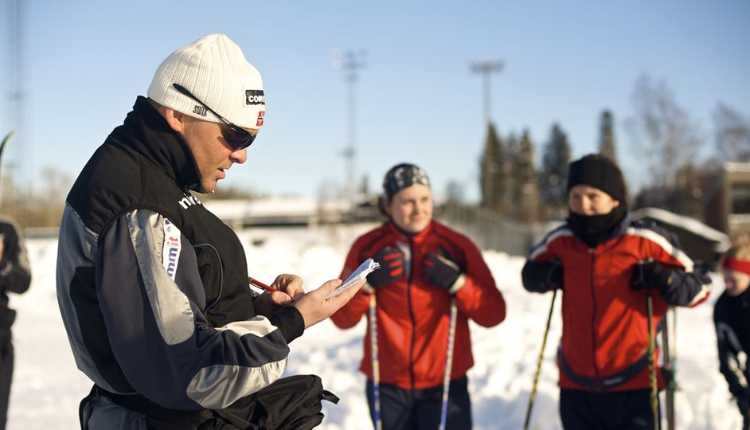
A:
[402,176]
[600,172]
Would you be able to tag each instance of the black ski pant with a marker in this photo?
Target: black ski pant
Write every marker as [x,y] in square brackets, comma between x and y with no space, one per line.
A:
[743,407]
[618,410]
[6,373]
[402,409]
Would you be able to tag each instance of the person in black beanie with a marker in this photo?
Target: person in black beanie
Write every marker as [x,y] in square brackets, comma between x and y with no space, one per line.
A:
[598,203]
[607,266]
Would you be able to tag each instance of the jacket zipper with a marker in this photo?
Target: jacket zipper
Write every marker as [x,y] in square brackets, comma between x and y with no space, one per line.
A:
[411,312]
[593,314]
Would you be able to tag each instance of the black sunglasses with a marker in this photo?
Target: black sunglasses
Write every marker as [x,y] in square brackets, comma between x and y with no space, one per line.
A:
[236,137]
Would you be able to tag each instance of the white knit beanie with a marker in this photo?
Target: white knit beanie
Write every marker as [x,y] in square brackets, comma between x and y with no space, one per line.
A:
[214,70]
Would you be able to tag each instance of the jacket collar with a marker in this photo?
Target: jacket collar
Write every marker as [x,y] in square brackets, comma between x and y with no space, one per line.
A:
[614,236]
[146,132]
[412,237]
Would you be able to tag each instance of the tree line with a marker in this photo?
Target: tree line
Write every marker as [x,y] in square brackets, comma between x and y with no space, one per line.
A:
[679,165]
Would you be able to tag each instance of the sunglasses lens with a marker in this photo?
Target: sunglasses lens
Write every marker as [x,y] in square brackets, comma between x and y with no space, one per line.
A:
[236,137]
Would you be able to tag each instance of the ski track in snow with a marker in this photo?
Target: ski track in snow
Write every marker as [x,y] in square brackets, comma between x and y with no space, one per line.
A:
[47,386]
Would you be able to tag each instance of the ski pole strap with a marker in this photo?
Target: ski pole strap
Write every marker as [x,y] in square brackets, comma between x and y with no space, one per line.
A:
[602,384]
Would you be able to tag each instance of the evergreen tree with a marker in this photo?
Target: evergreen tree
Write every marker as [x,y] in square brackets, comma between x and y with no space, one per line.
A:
[555,160]
[508,165]
[607,136]
[491,174]
[526,189]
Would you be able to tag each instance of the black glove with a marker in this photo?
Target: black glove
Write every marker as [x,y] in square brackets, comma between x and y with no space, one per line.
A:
[542,276]
[391,269]
[442,272]
[650,275]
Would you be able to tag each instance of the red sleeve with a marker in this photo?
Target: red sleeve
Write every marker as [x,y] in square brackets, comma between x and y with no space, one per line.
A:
[350,314]
[479,298]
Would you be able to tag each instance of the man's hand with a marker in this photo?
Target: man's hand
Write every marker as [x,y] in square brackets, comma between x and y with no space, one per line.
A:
[315,307]
[284,290]
[288,288]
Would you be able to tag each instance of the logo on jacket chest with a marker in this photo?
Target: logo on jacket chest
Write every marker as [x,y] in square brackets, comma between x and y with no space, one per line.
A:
[189,200]
[171,248]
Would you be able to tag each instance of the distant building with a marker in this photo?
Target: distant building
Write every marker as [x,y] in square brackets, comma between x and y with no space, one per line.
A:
[728,209]
[287,211]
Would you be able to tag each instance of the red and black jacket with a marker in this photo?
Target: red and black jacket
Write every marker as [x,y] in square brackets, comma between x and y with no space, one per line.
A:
[605,335]
[413,316]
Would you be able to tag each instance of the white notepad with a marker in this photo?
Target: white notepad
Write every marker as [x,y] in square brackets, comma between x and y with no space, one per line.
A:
[360,273]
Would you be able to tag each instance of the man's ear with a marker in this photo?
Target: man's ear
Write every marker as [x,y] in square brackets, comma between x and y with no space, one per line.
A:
[175,119]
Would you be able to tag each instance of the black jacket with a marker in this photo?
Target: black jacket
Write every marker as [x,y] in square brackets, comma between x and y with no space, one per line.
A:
[153,287]
[732,322]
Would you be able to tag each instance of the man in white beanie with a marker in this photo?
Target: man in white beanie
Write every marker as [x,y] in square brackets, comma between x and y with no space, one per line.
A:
[153,288]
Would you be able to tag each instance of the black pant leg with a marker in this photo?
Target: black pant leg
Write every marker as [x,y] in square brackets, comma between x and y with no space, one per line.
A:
[576,410]
[6,375]
[429,402]
[396,406]
[624,410]
[632,409]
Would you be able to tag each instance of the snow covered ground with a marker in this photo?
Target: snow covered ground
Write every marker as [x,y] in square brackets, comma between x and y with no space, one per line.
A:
[47,386]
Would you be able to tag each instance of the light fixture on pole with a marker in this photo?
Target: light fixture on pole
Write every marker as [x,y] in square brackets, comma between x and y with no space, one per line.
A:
[486,68]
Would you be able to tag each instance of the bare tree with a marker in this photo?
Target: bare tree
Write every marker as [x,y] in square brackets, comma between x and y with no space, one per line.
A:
[732,134]
[664,132]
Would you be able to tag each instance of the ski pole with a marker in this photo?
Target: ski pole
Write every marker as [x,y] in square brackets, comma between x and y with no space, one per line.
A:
[538,371]
[448,365]
[651,368]
[375,363]
[669,365]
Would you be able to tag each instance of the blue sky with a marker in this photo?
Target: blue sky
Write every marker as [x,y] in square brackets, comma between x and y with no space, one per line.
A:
[417,101]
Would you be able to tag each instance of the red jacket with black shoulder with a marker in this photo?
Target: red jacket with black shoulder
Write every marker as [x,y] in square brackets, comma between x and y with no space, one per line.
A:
[605,335]
[413,316]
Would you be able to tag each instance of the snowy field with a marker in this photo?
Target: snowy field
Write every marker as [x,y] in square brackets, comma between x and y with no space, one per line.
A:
[47,386]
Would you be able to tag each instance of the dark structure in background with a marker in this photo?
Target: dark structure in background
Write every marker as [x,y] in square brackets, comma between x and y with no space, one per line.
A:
[699,241]
[728,207]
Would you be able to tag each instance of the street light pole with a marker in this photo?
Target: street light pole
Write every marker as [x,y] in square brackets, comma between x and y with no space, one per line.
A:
[486,68]
[351,62]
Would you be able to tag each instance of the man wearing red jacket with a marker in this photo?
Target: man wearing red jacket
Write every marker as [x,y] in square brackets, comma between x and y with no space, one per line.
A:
[425,266]
[607,266]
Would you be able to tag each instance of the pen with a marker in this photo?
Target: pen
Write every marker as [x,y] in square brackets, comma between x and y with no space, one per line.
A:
[259,284]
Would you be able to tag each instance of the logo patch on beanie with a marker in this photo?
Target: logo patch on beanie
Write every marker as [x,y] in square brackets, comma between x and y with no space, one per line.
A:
[255,97]
[259,123]
[200,110]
